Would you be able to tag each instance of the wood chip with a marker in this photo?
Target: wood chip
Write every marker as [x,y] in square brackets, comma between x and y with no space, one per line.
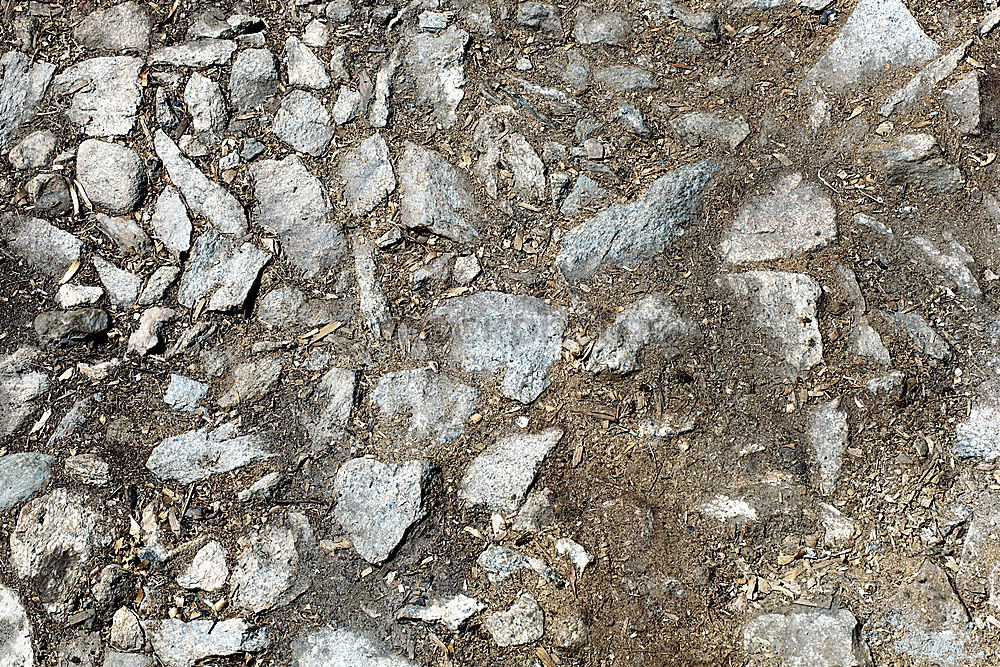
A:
[70,272]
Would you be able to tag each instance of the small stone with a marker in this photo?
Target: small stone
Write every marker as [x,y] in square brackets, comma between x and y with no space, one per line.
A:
[170,221]
[262,489]
[569,631]
[650,321]
[917,159]
[177,643]
[536,514]
[197,455]
[924,82]
[126,631]
[184,393]
[953,261]
[467,269]
[435,196]
[250,381]
[594,27]
[331,405]
[632,119]
[373,304]
[451,612]
[253,79]
[541,17]
[45,247]
[66,328]
[106,94]
[807,636]
[433,67]
[303,123]
[71,296]
[316,34]
[962,102]
[207,571]
[122,286]
[288,308]
[15,643]
[349,105]
[326,647]
[23,83]
[501,476]
[74,418]
[500,564]
[367,174]
[161,280]
[207,108]
[88,469]
[35,151]
[147,336]
[22,476]
[123,27]
[125,232]
[626,79]
[523,623]
[828,437]
[575,552]
[19,389]
[222,271]
[304,69]
[270,572]
[197,53]
[50,195]
[377,503]
[978,436]
[437,406]
[697,127]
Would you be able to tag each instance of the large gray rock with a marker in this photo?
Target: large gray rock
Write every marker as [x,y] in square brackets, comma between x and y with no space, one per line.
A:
[917,159]
[220,270]
[113,176]
[501,476]
[438,407]
[492,332]
[624,234]
[878,36]
[123,27]
[523,623]
[325,417]
[253,79]
[807,637]
[45,247]
[795,217]
[203,196]
[66,328]
[22,475]
[326,647]
[304,69]
[23,83]
[53,541]
[196,53]
[105,94]
[15,640]
[182,644]
[435,196]
[207,108]
[303,122]
[367,174]
[270,572]
[170,221]
[19,388]
[783,306]
[197,455]
[292,203]
[651,321]
[433,68]
[377,503]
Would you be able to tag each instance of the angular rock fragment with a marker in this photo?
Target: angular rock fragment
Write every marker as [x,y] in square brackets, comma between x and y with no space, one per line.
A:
[253,79]
[451,612]
[626,79]
[377,503]
[22,475]
[962,102]
[624,234]
[378,113]
[35,151]
[122,286]
[71,296]
[494,332]
[207,108]
[501,476]
[177,643]
[124,232]
[979,565]
[292,203]
[500,564]
[438,407]
[539,16]
[303,122]
[43,246]
[74,418]
[330,405]
[433,66]
[650,321]
[250,381]
[805,636]
[917,159]
[924,83]
[66,328]
[122,27]
[921,335]
[367,174]
[795,217]
[270,571]
[161,280]
[288,308]
[953,261]
[170,221]
[349,105]
[15,642]
[326,647]
[196,53]
[783,306]
[436,197]
[595,27]
[586,191]
[148,335]
[828,437]
[88,469]
[978,436]
[523,623]
[184,393]
[222,271]
[126,631]
[19,388]
[105,94]
[304,69]
[515,154]
[196,455]
[373,304]
[50,195]
[23,83]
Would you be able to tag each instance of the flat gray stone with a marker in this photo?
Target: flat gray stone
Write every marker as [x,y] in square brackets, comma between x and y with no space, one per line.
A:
[651,321]
[121,286]
[377,503]
[981,550]
[220,270]
[304,68]
[250,381]
[433,67]
[437,406]
[75,417]
[451,612]
[597,27]
[149,334]
[917,159]
[523,623]
[124,232]
[66,328]
[921,335]
[123,27]
[50,195]
[105,94]
[349,105]
[697,127]
[962,102]
[367,174]
[436,196]
[952,261]
[501,475]
[161,280]
[196,53]
[626,79]
[45,247]
[117,659]
[493,332]
[371,300]
[23,83]
[22,476]
[624,234]
[71,296]
[203,196]
[113,176]
[170,221]
[303,122]
[326,647]
[15,642]
[290,308]
[184,393]
[253,79]
[329,409]
[806,636]
[197,455]
[828,437]
[293,204]
[177,643]
[978,436]
[35,151]
[272,569]
[207,108]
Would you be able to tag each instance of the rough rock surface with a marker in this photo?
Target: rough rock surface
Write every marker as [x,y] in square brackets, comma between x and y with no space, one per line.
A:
[436,405]
[23,82]
[270,571]
[177,643]
[806,636]
[123,27]
[15,642]
[303,122]
[652,321]
[331,404]
[19,388]
[44,246]
[523,623]
[327,647]
[501,476]
[221,271]
[106,94]
[367,174]
[22,476]
[196,455]
[435,196]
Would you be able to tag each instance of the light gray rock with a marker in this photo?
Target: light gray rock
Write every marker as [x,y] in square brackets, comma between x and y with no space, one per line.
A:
[586,192]
[203,196]
[74,418]
[368,176]
[50,195]
[272,571]
[316,34]
[71,296]
[878,36]
[437,406]
[303,122]
[293,204]
[651,321]
[121,286]
[22,475]
[597,27]
[250,381]
[349,105]
[962,102]
[253,79]
[373,304]
[45,247]
[304,69]
[326,647]
[952,260]
[492,332]
[170,221]
[196,53]
[161,280]
[288,308]
[917,159]
[116,659]
[539,16]
[807,636]
[220,270]
[184,393]
[523,623]
[15,642]
[828,438]
[35,151]
[783,306]
[920,334]
[451,612]
[326,418]
[148,335]
[105,94]
[113,176]
[697,127]
[924,82]
[123,27]
[377,503]
[435,196]
[977,571]
[126,631]
[53,541]
[182,644]
[500,564]
[626,79]
[793,218]
[978,436]
[524,164]
[89,469]
[197,455]
[433,68]
[207,571]
[537,513]
[124,232]
[66,328]
[23,83]
[207,107]
[501,475]
[624,234]
[467,269]
[378,112]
